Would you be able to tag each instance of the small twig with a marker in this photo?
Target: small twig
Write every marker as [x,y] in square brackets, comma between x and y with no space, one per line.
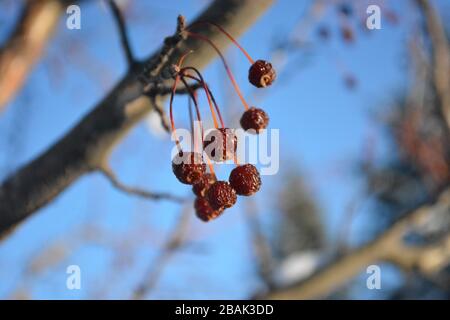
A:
[152,70]
[154,93]
[120,21]
[262,249]
[162,114]
[108,173]
[151,90]
[350,212]
[174,242]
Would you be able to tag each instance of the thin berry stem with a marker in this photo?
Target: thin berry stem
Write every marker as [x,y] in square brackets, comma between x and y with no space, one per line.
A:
[172,95]
[196,147]
[197,109]
[227,68]
[211,167]
[191,123]
[202,83]
[229,36]
[216,106]
[180,62]
[172,122]
[236,162]
[208,93]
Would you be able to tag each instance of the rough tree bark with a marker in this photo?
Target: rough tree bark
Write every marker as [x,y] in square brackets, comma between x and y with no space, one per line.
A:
[86,147]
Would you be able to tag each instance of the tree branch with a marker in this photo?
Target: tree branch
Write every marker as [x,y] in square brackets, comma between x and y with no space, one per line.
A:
[84,148]
[109,174]
[25,46]
[261,248]
[387,247]
[120,21]
[440,52]
[428,259]
[174,242]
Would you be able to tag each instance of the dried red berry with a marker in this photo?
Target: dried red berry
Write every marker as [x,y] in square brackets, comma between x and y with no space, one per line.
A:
[245,180]
[188,167]
[204,211]
[220,144]
[254,118]
[201,187]
[261,74]
[221,195]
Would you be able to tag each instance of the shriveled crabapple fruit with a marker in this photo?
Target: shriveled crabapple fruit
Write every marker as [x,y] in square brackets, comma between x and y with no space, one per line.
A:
[245,179]
[188,167]
[261,74]
[201,186]
[254,118]
[221,195]
[204,211]
[220,144]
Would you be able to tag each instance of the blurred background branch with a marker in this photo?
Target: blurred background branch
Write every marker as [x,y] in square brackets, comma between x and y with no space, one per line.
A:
[387,247]
[26,45]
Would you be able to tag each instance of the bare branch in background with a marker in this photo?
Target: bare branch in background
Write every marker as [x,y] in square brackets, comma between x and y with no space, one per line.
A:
[263,252]
[26,45]
[124,40]
[109,174]
[156,94]
[387,247]
[440,52]
[159,109]
[87,146]
[174,242]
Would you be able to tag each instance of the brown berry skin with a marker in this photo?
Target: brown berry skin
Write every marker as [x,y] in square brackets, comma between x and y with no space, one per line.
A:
[223,149]
[204,211]
[201,187]
[254,118]
[221,195]
[188,167]
[245,180]
[261,74]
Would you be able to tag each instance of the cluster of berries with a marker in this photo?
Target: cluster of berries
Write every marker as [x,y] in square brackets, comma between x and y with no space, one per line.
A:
[220,144]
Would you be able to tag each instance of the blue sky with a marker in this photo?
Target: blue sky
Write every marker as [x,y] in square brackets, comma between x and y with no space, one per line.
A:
[323,128]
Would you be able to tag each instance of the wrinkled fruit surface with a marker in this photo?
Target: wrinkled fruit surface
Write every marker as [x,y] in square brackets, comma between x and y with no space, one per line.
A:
[261,74]
[245,180]
[204,211]
[254,118]
[201,187]
[220,144]
[188,167]
[221,195]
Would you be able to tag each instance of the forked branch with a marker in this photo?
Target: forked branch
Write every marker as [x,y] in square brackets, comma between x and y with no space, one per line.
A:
[87,146]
